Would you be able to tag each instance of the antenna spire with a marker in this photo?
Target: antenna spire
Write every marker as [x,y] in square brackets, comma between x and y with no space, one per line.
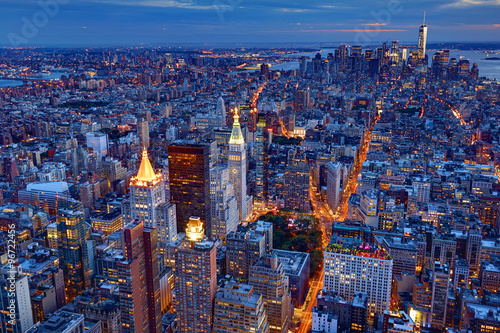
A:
[424,18]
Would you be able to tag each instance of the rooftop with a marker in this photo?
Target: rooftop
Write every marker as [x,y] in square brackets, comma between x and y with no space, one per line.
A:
[358,249]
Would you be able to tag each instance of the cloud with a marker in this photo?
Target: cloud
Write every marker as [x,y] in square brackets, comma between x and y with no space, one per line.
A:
[470,3]
[375,24]
[354,30]
[293,10]
[183,4]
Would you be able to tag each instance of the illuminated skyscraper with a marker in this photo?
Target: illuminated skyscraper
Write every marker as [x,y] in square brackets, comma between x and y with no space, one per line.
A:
[139,280]
[422,40]
[189,177]
[148,203]
[224,206]
[72,241]
[268,278]
[260,161]
[238,166]
[195,280]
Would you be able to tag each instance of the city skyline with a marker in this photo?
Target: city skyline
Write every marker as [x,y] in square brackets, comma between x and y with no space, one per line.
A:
[88,23]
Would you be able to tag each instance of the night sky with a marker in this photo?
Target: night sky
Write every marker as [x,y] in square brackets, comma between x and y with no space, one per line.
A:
[161,22]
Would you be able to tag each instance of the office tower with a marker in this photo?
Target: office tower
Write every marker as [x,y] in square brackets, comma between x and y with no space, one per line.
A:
[359,267]
[301,100]
[463,68]
[16,315]
[143,133]
[189,176]
[147,202]
[394,55]
[303,65]
[237,163]
[422,40]
[138,279]
[440,286]
[224,206]
[195,280]
[268,278]
[72,241]
[334,173]
[341,58]
[243,248]
[261,163]
[296,190]
[239,309]
[221,112]
[98,142]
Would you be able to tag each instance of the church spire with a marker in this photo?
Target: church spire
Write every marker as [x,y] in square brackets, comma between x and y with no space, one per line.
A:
[236,135]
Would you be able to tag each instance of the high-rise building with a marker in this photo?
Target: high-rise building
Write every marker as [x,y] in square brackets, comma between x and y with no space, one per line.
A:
[440,286]
[72,235]
[138,279]
[244,248]
[422,40]
[221,112]
[224,206]
[354,267]
[237,162]
[189,176]
[261,162]
[98,142]
[239,309]
[195,280]
[143,133]
[296,189]
[148,203]
[16,315]
[268,278]
[334,171]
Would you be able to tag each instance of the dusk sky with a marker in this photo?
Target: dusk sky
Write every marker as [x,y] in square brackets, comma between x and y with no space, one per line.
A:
[152,22]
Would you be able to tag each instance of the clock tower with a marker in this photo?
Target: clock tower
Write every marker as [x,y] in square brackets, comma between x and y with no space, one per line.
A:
[237,164]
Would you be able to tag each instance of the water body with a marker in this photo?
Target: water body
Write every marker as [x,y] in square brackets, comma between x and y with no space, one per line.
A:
[487,68]
[51,76]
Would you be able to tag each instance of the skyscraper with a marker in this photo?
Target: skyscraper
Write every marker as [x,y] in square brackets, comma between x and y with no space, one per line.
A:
[189,176]
[237,157]
[224,206]
[354,267]
[143,133]
[195,280]
[16,314]
[72,241]
[260,161]
[422,40]
[221,112]
[268,278]
[334,172]
[148,203]
[139,280]
[296,190]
